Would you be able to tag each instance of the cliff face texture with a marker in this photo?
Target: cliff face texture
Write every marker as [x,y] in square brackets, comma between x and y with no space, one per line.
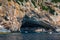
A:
[13,16]
[9,12]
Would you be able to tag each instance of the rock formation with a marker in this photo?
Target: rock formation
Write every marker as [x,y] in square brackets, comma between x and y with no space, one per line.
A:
[13,16]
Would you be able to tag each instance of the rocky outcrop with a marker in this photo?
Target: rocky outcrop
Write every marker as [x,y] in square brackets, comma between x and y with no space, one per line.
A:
[10,10]
[13,16]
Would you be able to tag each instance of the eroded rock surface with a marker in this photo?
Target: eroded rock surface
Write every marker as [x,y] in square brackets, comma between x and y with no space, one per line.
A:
[13,16]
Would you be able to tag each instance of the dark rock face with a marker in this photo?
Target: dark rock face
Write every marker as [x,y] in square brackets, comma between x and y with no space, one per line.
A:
[36,21]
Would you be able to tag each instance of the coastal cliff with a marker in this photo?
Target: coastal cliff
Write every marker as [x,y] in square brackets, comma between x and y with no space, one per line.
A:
[15,15]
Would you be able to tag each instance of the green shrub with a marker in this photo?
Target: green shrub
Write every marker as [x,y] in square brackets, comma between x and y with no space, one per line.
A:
[55,1]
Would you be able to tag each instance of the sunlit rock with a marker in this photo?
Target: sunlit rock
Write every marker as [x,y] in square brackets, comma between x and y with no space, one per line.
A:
[40,30]
[2,29]
[13,15]
[58,30]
